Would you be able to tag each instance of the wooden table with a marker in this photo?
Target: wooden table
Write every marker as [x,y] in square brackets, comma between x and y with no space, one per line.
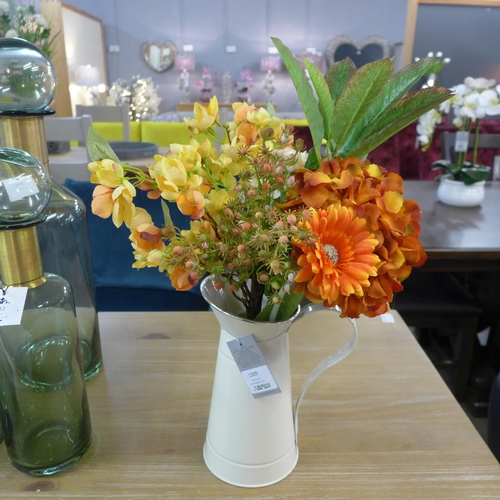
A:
[380,425]
[458,239]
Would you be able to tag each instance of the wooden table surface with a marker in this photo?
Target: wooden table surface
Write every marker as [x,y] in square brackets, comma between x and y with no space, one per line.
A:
[455,238]
[380,425]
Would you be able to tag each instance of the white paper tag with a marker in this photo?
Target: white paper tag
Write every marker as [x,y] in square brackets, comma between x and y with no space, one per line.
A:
[461,142]
[496,168]
[12,302]
[19,187]
[387,318]
[253,367]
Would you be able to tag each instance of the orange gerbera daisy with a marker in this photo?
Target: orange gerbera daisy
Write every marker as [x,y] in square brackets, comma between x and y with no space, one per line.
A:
[340,261]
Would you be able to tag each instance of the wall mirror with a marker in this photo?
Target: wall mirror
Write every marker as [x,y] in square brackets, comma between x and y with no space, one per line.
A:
[466,31]
[159,56]
[361,52]
[73,26]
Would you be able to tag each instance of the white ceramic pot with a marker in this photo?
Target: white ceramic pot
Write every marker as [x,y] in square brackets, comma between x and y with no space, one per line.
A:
[458,194]
[253,442]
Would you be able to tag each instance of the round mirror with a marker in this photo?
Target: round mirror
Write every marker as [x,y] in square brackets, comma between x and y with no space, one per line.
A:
[159,56]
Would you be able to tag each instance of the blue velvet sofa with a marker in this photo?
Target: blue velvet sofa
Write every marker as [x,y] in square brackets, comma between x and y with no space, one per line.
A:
[119,287]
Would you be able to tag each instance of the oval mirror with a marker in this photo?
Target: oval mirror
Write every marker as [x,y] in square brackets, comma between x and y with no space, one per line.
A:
[159,56]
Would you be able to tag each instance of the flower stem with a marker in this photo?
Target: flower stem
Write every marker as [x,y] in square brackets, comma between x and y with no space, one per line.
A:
[476,143]
[276,307]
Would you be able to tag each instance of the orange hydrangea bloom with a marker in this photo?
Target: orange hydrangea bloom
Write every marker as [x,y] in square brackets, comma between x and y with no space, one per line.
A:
[376,196]
[341,259]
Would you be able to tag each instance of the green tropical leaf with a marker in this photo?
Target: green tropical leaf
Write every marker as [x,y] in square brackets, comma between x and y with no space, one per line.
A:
[305,93]
[476,174]
[338,75]
[401,115]
[323,92]
[421,101]
[99,148]
[394,90]
[359,94]
[312,162]
[289,306]
[264,313]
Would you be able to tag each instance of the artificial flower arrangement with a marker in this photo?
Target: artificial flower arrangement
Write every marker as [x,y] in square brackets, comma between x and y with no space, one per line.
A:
[271,221]
[205,84]
[244,84]
[472,100]
[25,23]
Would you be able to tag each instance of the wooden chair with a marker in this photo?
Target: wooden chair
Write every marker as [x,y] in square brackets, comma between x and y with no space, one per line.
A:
[69,129]
[489,142]
[108,114]
[446,316]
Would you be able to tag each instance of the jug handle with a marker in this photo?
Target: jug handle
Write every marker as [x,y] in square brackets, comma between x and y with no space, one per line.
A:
[328,362]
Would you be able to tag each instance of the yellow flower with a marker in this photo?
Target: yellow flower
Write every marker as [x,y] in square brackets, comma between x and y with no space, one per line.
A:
[145,236]
[116,202]
[241,110]
[154,258]
[262,118]
[204,116]
[170,174]
[216,202]
[106,172]
[188,154]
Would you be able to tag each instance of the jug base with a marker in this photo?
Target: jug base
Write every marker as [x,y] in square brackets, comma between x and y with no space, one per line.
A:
[249,476]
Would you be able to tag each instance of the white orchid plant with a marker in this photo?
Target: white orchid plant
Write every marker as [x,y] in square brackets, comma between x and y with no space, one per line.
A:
[472,101]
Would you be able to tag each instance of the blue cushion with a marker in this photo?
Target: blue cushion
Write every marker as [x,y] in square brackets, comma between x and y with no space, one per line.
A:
[119,287]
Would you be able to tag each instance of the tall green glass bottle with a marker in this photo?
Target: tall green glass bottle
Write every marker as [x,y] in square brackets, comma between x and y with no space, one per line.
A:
[45,413]
[64,236]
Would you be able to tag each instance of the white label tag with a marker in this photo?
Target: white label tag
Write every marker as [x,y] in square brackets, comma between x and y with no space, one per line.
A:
[12,302]
[19,187]
[461,142]
[253,367]
[387,318]
[496,168]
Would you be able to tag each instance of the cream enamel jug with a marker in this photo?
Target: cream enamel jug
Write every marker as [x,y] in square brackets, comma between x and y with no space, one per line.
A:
[253,442]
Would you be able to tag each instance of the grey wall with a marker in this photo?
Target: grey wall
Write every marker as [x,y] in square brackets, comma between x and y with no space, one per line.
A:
[211,25]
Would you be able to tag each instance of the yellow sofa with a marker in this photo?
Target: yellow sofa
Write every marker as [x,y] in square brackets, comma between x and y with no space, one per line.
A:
[161,133]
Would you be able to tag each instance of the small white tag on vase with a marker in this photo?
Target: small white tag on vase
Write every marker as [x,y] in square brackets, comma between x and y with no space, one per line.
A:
[461,142]
[253,367]
[19,187]
[12,300]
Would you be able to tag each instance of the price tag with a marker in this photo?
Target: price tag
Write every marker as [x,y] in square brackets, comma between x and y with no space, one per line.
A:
[461,142]
[19,187]
[12,300]
[387,318]
[253,367]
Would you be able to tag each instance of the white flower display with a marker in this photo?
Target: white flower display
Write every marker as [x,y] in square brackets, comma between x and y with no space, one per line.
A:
[473,100]
[4,7]
[11,34]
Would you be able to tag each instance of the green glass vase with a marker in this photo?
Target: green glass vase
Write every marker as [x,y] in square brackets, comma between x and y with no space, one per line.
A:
[45,413]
